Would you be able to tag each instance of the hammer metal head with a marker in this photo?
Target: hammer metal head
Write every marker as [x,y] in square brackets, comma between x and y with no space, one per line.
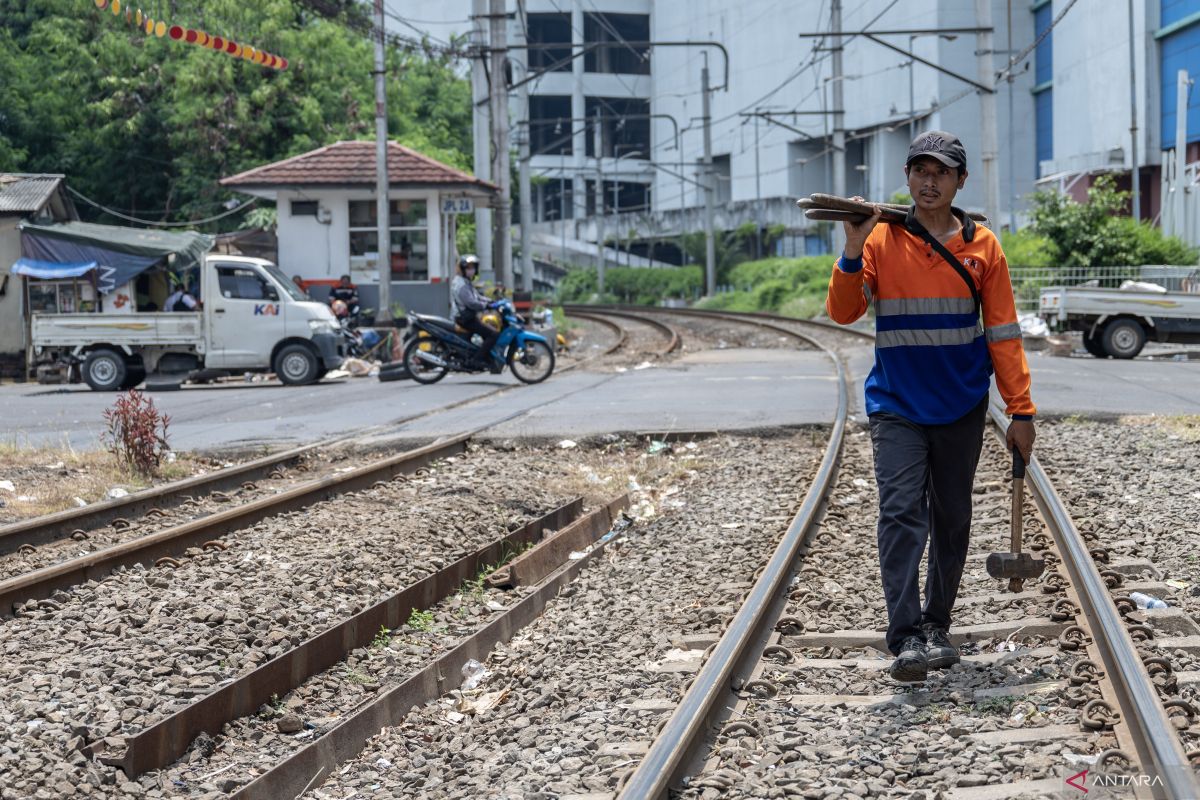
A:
[1014,565]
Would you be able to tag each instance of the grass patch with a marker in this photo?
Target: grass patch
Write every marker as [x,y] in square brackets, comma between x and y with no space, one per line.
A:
[420,620]
[795,287]
[48,479]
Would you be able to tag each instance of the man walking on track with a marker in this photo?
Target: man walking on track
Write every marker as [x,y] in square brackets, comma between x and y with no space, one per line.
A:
[931,280]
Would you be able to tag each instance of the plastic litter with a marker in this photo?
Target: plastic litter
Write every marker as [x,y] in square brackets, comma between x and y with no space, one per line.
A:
[8,486]
[657,447]
[1174,584]
[567,444]
[1147,601]
[383,763]
[644,365]
[474,674]
[116,492]
[79,501]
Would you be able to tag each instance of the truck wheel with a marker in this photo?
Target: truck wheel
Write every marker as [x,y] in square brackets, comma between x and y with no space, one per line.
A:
[296,365]
[1094,346]
[1124,338]
[105,370]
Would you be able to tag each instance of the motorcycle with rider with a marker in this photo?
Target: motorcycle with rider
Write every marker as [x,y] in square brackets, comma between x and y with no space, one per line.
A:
[439,345]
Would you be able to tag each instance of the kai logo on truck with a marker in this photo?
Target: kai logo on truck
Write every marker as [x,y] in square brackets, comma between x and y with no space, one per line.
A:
[266,310]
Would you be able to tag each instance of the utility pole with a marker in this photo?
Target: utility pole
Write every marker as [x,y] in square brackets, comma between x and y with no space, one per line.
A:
[382,216]
[523,187]
[710,245]
[481,128]
[758,213]
[501,249]
[987,109]
[1181,115]
[597,143]
[1012,153]
[1133,128]
[839,125]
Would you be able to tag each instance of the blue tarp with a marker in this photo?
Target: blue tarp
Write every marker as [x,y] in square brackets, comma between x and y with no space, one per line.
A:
[49,270]
[121,254]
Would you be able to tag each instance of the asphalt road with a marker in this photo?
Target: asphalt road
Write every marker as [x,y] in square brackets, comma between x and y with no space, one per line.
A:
[710,390]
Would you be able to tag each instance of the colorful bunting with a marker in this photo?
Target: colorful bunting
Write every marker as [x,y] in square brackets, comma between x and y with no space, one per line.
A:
[178,33]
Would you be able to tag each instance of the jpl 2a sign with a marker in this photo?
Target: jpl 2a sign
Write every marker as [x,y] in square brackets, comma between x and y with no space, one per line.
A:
[457,205]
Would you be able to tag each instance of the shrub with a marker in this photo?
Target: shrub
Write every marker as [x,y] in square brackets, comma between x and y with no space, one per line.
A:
[136,433]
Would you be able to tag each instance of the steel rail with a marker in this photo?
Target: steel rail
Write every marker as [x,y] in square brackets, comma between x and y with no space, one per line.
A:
[685,731]
[673,339]
[613,328]
[157,745]
[53,527]
[42,582]
[1152,734]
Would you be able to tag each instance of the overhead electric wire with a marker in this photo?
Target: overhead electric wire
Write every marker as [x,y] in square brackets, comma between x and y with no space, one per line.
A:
[153,223]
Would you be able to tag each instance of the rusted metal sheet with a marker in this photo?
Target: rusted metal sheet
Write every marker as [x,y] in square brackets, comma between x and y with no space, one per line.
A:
[60,525]
[536,563]
[167,740]
[307,767]
[172,541]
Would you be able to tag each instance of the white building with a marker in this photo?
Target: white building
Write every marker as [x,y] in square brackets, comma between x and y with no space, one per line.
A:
[1064,113]
[325,200]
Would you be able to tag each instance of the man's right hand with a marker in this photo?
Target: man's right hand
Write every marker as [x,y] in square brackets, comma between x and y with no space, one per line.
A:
[856,234]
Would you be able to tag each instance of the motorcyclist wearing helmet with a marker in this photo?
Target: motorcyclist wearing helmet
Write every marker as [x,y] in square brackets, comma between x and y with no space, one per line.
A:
[347,293]
[468,302]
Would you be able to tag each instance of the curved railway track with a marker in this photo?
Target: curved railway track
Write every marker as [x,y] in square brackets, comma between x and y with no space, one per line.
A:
[1127,702]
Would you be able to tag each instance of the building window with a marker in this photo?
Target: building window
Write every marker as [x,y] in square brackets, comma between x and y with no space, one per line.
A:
[620,197]
[554,200]
[550,29]
[722,179]
[1043,98]
[613,32]
[304,208]
[624,126]
[409,234]
[550,126]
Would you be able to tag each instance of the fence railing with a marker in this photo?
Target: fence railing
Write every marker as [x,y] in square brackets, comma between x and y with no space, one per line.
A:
[1028,282]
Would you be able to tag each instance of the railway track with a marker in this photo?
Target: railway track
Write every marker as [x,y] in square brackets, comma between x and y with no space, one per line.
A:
[46,551]
[760,675]
[733,714]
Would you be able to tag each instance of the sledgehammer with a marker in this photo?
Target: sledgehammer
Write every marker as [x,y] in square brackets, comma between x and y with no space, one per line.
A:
[1016,566]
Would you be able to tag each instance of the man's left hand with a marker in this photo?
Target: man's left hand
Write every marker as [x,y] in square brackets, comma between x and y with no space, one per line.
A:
[1021,435]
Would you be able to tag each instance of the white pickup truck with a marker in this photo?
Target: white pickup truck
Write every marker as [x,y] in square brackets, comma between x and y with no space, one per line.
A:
[1118,322]
[251,318]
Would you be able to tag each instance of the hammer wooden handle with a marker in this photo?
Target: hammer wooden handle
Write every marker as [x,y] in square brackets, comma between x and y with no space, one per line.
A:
[1018,499]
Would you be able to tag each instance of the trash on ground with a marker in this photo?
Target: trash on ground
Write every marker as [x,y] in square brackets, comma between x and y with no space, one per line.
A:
[657,447]
[1147,601]
[1032,325]
[79,501]
[1174,584]
[484,702]
[567,444]
[8,486]
[357,367]
[474,674]
[644,365]
[117,491]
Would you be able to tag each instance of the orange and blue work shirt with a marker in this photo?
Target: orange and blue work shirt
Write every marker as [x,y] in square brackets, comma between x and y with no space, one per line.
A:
[933,357]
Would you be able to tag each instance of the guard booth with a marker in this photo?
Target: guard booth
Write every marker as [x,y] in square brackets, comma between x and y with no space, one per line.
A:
[327,223]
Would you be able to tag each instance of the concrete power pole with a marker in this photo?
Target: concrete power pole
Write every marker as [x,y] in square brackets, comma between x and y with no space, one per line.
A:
[597,143]
[501,249]
[523,182]
[481,128]
[1181,108]
[710,245]
[839,124]
[382,209]
[987,108]
[1133,129]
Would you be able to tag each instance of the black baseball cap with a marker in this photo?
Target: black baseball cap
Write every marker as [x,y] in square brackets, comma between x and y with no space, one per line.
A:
[943,146]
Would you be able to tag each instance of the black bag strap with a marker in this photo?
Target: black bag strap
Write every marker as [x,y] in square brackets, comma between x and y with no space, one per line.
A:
[916,227]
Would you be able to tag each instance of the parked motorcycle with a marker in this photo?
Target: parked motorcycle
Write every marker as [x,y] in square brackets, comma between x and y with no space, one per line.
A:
[439,346]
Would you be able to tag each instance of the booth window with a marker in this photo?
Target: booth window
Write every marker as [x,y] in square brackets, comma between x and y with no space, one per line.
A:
[304,208]
[409,233]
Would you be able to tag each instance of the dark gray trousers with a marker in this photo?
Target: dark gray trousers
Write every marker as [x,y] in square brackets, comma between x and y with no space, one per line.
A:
[925,475]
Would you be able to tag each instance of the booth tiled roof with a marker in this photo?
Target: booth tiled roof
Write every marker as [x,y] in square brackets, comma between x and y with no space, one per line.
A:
[353,164]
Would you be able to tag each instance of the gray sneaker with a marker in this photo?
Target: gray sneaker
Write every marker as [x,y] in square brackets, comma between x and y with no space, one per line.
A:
[912,665]
[940,652]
